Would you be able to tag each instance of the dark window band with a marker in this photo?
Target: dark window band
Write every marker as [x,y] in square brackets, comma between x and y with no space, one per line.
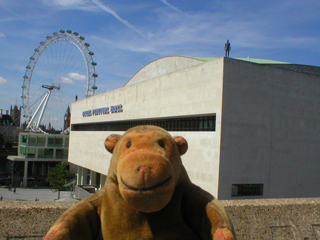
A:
[207,123]
[247,190]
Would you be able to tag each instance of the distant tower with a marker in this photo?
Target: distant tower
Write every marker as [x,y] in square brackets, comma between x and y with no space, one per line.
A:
[67,118]
[15,115]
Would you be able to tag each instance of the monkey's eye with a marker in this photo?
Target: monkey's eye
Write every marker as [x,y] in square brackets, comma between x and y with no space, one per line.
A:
[161,143]
[128,144]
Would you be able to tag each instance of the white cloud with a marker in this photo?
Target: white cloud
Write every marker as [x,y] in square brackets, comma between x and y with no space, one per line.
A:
[113,13]
[171,6]
[70,78]
[57,97]
[2,35]
[84,5]
[77,76]
[67,3]
[65,80]
[3,81]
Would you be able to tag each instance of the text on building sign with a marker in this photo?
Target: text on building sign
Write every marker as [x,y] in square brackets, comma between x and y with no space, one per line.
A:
[103,111]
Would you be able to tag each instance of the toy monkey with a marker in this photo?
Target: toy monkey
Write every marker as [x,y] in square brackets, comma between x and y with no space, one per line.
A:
[147,195]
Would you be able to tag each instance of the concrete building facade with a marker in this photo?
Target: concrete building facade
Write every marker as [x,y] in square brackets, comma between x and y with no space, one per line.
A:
[252,126]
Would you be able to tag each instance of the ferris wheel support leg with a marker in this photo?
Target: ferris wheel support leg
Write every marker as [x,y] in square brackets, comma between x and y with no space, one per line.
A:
[45,99]
[43,108]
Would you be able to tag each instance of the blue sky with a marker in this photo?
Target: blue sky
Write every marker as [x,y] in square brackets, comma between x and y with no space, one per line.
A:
[125,35]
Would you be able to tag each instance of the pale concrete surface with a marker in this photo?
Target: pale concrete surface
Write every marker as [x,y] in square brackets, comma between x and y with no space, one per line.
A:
[30,194]
[162,67]
[276,219]
[193,91]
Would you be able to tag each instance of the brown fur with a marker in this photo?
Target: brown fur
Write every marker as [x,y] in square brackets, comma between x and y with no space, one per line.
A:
[148,195]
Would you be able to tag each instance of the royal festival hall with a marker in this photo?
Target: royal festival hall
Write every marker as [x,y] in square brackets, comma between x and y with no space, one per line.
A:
[252,125]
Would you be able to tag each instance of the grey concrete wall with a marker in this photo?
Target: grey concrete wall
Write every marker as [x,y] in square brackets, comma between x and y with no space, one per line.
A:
[281,219]
[275,219]
[270,130]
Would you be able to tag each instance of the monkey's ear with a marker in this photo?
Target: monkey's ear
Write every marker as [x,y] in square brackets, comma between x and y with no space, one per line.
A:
[182,144]
[111,142]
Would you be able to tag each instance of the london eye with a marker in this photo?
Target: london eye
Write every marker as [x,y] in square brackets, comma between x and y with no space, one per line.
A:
[60,71]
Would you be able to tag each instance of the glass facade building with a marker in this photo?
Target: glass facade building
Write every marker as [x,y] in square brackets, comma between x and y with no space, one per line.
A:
[37,153]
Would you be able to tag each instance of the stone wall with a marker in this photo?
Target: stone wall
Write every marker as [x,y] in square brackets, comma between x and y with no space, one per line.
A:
[253,219]
[278,219]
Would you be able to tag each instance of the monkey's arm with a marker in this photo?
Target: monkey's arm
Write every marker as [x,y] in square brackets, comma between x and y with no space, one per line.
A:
[82,221]
[206,215]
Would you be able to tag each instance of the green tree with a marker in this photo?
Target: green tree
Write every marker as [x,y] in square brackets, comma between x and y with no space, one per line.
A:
[58,177]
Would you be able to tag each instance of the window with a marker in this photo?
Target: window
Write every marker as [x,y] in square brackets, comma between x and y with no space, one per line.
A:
[66,141]
[32,140]
[55,141]
[23,151]
[24,138]
[247,190]
[50,141]
[59,153]
[48,152]
[206,123]
[41,140]
[41,153]
[31,152]
[58,141]
[65,153]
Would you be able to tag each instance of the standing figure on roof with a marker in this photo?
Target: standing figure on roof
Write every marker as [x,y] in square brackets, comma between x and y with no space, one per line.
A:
[227,48]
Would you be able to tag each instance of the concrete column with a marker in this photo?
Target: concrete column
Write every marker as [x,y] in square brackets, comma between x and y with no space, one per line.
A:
[47,170]
[81,177]
[25,174]
[33,168]
[84,176]
[98,180]
[103,179]
[93,179]
[78,174]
